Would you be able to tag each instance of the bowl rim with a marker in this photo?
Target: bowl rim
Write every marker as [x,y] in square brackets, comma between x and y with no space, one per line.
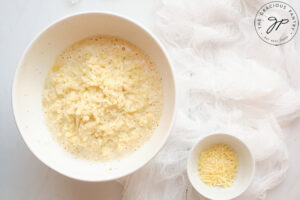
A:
[226,135]
[17,74]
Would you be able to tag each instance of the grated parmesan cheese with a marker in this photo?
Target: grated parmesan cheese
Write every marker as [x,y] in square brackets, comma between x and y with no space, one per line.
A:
[218,165]
[102,98]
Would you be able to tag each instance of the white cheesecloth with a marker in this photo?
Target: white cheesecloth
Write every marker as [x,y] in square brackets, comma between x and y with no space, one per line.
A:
[229,81]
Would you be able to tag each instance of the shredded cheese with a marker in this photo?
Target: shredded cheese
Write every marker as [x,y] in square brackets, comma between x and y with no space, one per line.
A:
[218,165]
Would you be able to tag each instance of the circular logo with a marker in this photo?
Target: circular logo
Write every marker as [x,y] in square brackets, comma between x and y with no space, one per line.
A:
[276,23]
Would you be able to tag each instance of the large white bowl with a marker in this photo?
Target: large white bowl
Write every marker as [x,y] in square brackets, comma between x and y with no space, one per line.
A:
[29,81]
[245,171]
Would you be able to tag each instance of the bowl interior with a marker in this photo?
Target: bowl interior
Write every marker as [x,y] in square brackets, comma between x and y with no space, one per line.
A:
[29,83]
[244,174]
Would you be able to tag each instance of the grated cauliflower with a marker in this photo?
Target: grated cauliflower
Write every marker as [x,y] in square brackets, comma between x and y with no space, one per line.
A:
[102,98]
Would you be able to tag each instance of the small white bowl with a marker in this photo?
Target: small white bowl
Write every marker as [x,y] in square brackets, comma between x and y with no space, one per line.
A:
[29,82]
[244,175]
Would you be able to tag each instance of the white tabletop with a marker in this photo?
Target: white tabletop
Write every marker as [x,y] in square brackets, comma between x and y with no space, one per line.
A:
[22,176]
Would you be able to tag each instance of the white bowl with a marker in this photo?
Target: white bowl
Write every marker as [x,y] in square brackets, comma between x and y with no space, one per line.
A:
[244,175]
[29,82]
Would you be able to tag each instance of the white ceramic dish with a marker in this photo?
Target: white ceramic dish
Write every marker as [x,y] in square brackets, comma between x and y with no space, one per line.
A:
[29,81]
[245,172]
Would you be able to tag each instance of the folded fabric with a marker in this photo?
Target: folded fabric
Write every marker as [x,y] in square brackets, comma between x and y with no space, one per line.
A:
[229,81]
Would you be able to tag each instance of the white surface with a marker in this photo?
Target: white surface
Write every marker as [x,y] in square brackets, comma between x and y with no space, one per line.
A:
[244,175]
[22,175]
[29,84]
